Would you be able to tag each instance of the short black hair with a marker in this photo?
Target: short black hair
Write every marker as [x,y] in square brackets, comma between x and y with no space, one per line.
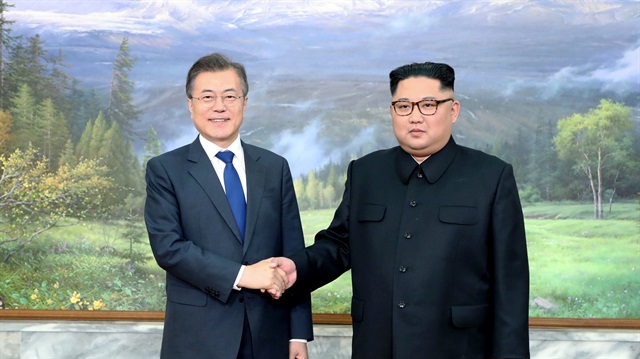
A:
[214,63]
[437,71]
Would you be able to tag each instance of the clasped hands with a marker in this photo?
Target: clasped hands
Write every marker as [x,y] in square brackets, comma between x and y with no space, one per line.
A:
[273,275]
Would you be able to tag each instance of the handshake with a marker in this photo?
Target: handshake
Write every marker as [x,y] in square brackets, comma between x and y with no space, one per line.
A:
[273,275]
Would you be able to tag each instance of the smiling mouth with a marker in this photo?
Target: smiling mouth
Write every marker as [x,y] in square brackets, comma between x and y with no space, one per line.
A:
[218,119]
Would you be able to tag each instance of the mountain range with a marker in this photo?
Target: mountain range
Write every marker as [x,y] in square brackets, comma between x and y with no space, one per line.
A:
[318,70]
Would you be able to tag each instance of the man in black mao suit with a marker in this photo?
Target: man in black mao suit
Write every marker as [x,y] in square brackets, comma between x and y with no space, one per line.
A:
[433,233]
[215,266]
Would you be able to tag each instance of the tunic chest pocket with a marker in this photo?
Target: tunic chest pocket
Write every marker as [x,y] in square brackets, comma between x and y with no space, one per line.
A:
[371,213]
[465,215]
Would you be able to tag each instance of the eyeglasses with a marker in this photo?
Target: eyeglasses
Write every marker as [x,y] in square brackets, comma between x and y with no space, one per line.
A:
[426,107]
[209,100]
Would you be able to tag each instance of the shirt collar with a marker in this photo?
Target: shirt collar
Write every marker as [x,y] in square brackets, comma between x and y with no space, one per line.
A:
[211,149]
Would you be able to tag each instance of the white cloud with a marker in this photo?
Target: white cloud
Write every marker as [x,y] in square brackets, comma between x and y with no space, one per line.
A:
[625,69]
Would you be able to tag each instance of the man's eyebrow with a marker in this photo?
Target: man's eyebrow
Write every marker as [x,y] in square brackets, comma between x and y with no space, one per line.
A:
[424,98]
[223,91]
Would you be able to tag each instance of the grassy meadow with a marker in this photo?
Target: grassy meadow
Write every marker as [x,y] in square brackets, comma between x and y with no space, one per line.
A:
[580,267]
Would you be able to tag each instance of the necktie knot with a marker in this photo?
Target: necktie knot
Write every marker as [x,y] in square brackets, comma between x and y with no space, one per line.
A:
[225,156]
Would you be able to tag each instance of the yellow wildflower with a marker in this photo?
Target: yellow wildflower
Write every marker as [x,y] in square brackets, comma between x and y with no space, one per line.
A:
[56,286]
[76,298]
[97,304]
[49,301]
[33,296]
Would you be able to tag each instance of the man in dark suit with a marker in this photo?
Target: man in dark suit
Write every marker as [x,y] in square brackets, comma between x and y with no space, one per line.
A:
[214,258]
[433,233]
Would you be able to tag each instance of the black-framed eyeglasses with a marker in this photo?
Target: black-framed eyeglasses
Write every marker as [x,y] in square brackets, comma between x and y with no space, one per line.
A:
[426,107]
[209,100]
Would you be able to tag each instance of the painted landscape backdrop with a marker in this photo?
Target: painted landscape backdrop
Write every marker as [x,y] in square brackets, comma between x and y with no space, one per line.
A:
[90,90]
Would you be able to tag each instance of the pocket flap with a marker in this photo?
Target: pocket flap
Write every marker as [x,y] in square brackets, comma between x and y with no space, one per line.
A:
[186,295]
[371,212]
[458,215]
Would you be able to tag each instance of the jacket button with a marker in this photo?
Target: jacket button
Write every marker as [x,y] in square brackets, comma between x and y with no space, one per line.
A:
[413,203]
[401,304]
[420,174]
[407,235]
[402,269]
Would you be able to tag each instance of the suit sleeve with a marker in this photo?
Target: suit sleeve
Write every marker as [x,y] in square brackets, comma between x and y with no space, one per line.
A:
[328,257]
[510,272]
[293,241]
[177,255]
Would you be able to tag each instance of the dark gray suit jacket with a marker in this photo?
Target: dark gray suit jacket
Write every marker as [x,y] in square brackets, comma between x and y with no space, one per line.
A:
[194,237]
[437,254]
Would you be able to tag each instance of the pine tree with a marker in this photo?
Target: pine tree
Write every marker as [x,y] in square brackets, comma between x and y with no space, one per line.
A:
[84,144]
[313,190]
[152,146]
[97,142]
[121,108]
[22,111]
[117,154]
[67,157]
[86,104]
[36,67]
[51,132]
[60,85]
[6,41]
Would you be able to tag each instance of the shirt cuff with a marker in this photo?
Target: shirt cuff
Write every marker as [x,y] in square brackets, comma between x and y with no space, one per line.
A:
[298,340]
[235,284]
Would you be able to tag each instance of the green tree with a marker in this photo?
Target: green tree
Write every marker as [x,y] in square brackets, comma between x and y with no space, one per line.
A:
[34,199]
[117,154]
[28,64]
[52,132]
[84,144]
[152,146]
[36,66]
[120,108]
[299,188]
[543,166]
[23,114]
[6,41]
[99,130]
[86,105]
[67,157]
[313,190]
[59,86]
[594,141]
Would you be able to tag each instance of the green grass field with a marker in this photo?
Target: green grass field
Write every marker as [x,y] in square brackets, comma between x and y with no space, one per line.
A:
[581,267]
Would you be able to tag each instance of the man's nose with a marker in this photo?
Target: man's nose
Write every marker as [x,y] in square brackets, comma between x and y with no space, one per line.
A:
[415,116]
[218,104]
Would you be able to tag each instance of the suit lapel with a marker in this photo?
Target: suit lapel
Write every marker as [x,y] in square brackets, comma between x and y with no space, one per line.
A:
[256,175]
[203,172]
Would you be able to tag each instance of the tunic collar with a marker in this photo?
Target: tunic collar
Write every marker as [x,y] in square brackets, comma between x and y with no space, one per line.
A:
[433,167]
